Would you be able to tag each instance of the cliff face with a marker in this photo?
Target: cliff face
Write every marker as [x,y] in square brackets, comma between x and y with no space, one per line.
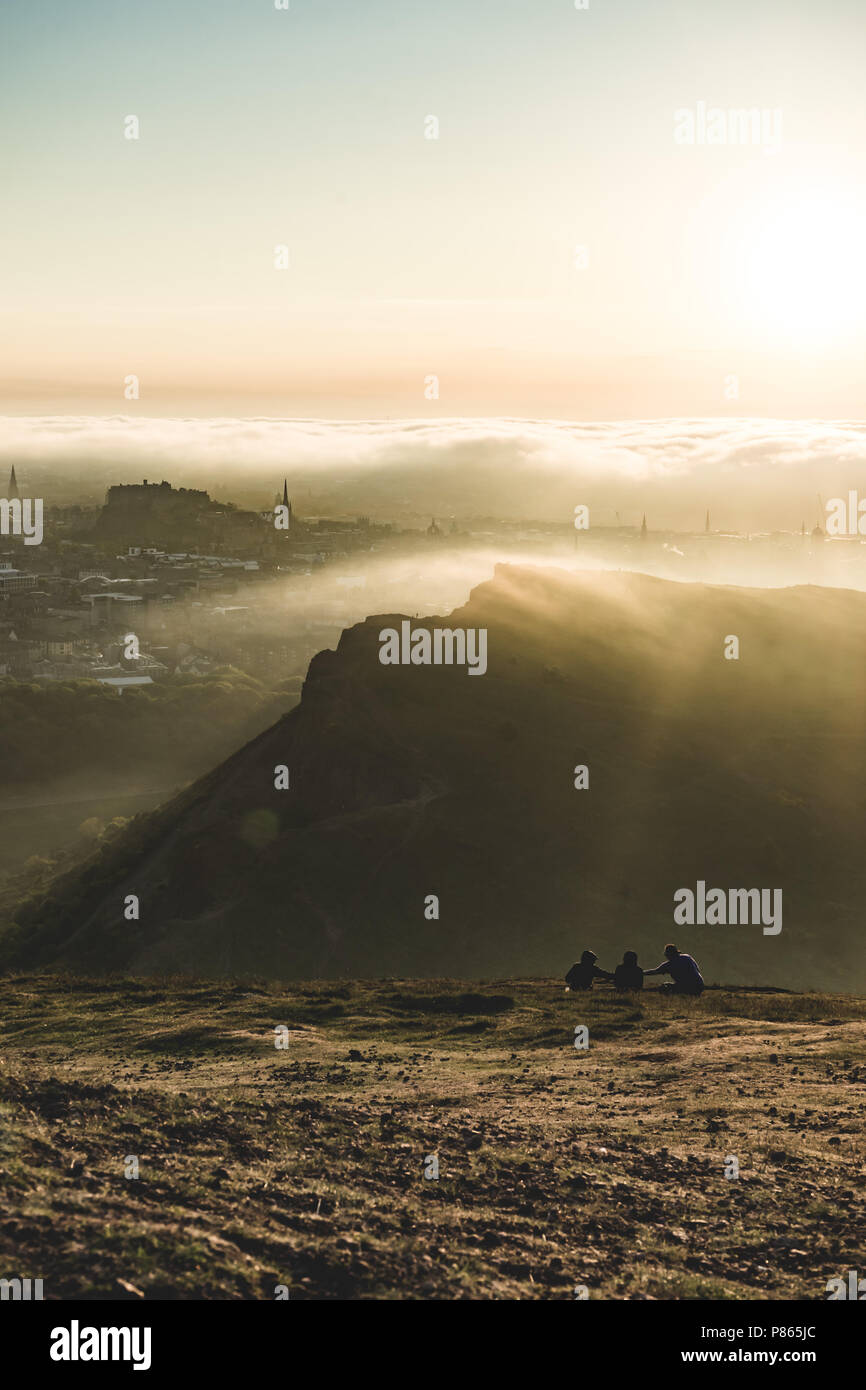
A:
[412,781]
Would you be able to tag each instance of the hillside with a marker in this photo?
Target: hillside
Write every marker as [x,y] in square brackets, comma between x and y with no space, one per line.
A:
[408,781]
[76,751]
[305,1167]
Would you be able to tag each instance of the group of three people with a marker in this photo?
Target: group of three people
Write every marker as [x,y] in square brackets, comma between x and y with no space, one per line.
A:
[686,978]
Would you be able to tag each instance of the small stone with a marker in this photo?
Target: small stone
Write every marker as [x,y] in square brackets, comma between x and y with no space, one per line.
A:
[129,1288]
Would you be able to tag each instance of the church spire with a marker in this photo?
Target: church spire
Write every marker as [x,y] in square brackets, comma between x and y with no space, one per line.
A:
[288,506]
[13,485]
[643,528]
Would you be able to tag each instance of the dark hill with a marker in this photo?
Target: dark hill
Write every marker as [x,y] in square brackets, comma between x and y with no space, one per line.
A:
[410,781]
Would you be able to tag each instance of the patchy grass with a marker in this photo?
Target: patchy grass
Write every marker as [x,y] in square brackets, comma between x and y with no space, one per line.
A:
[305,1166]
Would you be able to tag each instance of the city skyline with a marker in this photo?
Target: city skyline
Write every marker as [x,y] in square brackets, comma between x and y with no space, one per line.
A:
[755,475]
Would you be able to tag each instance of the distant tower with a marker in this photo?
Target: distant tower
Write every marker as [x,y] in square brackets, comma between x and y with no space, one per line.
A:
[13,485]
[643,532]
[286,502]
[433,529]
[707,523]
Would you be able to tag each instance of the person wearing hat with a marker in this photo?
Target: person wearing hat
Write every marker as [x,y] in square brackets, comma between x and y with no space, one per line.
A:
[581,975]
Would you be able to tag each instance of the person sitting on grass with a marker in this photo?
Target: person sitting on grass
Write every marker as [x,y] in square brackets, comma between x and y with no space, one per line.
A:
[581,976]
[628,975]
[687,978]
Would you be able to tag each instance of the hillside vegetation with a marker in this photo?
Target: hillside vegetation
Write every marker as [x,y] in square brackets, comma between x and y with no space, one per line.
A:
[76,755]
[89,732]
[306,1166]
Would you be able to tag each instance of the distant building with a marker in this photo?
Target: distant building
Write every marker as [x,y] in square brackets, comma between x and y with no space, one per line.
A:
[283,501]
[121,682]
[56,643]
[148,515]
[643,530]
[12,489]
[127,495]
[110,608]
[15,581]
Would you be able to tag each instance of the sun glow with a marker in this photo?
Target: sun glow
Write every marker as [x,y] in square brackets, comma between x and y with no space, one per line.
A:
[802,268]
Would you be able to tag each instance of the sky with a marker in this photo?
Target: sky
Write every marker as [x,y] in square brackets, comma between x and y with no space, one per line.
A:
[560,250]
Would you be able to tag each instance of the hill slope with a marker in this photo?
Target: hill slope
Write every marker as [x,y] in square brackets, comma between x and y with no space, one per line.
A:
[607,1168]
[419,780]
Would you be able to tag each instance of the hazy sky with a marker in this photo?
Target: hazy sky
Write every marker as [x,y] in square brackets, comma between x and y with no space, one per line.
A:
[411,257]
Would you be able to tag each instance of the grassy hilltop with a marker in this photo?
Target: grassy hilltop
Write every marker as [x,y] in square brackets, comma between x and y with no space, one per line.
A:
[305,1166]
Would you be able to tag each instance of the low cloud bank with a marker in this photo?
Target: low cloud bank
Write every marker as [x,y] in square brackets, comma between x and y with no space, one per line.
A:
[752,473]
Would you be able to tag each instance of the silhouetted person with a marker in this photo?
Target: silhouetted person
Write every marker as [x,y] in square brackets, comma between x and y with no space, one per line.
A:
[581,976]
[687,978]
[628,975]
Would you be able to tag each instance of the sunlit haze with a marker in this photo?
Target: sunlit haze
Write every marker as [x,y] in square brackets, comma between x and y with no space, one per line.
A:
[553,246]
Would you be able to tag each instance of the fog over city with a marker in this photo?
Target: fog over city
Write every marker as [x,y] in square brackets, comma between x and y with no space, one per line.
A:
[752,474]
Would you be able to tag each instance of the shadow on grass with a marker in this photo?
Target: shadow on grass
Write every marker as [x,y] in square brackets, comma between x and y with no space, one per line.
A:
[450,1003]
[201,1039]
